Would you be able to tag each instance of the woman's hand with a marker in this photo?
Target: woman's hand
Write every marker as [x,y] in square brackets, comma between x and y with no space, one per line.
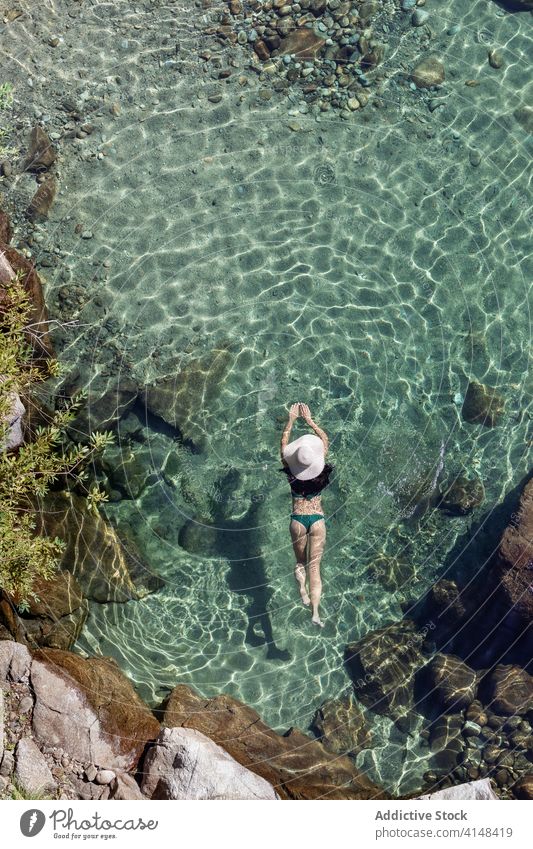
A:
[305,412]
[294,412]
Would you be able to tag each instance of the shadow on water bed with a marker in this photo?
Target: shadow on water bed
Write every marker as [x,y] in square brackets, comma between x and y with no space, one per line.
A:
[238,541]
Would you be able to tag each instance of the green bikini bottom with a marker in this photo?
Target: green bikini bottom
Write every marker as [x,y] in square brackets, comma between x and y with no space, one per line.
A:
[308,520]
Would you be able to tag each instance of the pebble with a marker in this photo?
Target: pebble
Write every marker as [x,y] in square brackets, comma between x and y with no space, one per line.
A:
[495,59]
[242,38]
[105,776]
[475,158]
[26,704]
[471,729]
[420,17]
[86,234]
[407,5]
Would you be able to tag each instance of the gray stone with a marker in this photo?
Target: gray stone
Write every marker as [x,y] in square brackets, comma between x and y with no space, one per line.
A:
[420,17]
[185,764]
[63,717]
[471,729]
[105,776]
[25,704]
[8,764]
[480,789]
[124,787]
[32,773]
[15,661]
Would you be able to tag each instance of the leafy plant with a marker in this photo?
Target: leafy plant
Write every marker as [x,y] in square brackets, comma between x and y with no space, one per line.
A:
[6,101]
[27,472]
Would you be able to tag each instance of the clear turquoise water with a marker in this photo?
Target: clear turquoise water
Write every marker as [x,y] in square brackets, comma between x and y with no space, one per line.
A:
[364,267]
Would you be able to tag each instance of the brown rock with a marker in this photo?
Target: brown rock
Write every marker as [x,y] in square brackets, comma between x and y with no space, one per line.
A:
[482,405]
[41,153]
[90,709]
[450,682]
[42,201]
[430,72]
[461,495]
[391,572]
[523,788]
[181,400]
[6,230]
[261,49]
[40,341]
[107,401]
[508,690]
[105,569]
[55,619]
[297,766]
[382,665]
[513,559]
[303,42]
[124,787]
[341,727]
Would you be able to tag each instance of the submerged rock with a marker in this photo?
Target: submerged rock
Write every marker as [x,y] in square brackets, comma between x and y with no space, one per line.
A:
[105,568]
[185,764]
[297,766]
[430,72]
[41,152]
[55,618]
[182,400]
[512,563]
[107,402]
[42,201]
[508,690]
[303,42]
[517,5]
[482,405]
[391,572]
[448,682]
[382,665]
[340,725]
[462,495]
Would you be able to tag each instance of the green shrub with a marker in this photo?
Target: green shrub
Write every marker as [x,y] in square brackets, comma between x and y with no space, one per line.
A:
[27,472]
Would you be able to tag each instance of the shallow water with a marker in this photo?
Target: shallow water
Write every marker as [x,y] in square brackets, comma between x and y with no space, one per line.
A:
[365,267]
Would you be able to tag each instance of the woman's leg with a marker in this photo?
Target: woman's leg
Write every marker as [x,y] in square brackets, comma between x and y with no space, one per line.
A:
[317,542]
[299,544]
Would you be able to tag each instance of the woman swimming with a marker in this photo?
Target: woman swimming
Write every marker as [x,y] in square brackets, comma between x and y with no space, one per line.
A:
[304,464]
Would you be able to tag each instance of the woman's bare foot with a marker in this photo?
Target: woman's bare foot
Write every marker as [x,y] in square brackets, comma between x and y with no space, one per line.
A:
[317,621]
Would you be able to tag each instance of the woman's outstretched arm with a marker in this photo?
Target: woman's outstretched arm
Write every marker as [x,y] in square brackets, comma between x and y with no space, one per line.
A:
[306,414]
[294,412]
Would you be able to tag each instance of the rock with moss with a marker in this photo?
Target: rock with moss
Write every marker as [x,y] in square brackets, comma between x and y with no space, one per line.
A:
[106,567]
[461,495]
[482,405]
[341,726]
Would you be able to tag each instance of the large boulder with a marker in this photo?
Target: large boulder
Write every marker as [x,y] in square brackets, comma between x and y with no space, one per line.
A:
[461,495]
[183,399]
[89,708]
[55,615]
[508,690]
[382,665]
[296,765]
[341,726]
[448,682]
[185,764]
[106,567]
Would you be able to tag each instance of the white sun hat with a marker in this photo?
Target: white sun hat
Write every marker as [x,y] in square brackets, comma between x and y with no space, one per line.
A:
[305,456]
